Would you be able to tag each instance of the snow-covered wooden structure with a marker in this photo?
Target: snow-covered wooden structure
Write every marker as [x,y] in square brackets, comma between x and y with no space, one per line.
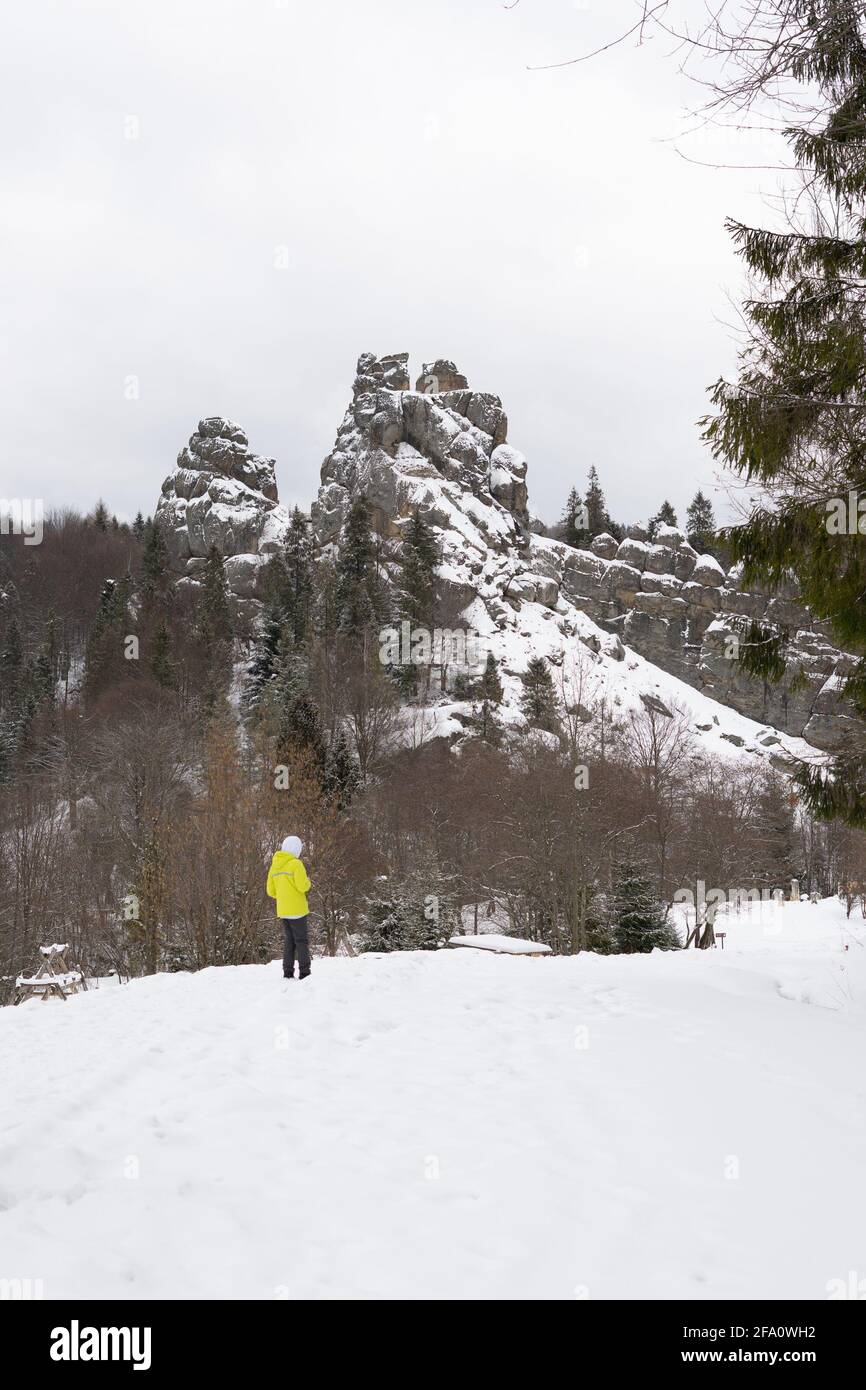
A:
[53,980]
[501,945]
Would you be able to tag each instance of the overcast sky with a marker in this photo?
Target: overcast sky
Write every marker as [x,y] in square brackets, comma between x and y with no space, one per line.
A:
[218,204]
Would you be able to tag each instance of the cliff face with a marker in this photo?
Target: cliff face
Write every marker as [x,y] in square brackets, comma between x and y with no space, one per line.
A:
[443,448]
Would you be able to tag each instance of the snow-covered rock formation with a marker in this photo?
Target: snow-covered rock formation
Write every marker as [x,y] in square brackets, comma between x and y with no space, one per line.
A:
[440,447]
[220,494]
[443,448]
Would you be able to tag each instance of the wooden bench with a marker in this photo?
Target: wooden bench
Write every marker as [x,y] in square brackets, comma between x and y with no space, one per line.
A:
[53,979]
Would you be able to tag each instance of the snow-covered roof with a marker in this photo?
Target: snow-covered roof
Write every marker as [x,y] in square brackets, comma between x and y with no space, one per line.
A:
[502,945]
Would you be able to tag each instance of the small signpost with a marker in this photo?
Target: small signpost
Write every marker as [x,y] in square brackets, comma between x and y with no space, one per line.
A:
[53,979]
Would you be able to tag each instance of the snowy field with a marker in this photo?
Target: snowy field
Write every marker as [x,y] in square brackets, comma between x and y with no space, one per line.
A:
[451,1125]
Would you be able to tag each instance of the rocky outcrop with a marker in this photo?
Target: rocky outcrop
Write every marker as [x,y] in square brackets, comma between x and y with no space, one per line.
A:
[221,494]
[680,611]
[443,448]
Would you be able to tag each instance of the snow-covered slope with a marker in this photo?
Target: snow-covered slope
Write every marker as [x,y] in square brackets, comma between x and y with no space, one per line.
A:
[454,1124]
[591,665]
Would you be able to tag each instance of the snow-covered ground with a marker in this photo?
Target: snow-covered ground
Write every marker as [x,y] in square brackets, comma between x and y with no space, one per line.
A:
[457,1124]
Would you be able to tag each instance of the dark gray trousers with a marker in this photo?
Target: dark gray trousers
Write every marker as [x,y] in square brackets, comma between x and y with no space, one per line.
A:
[295,940]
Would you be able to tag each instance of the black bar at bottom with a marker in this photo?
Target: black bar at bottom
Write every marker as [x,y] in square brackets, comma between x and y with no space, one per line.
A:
[226,1338]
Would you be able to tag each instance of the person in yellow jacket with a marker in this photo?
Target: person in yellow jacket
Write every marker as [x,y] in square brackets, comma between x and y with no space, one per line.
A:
[289,885]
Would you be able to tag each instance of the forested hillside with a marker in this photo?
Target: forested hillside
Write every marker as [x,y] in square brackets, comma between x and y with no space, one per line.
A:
[157,744]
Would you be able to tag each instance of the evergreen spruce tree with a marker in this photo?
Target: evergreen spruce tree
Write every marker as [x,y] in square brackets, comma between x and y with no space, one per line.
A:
[792,423]
[341,777]
[154,562]
[775,853]
[583,520]
[98,636]
[462,687]
[637,918]
[411,916]
[538,701]
[138,526]
[572,519]
[214,615]
[297,594]
[213,622]
[407,681]
[325,614]
[264,665]
[16,701]
[417,581]
[484,723]
[491,685]
[360,596]
[665,516]
[600,934]
[100,517]
[49,660]
[12,665]
[700,522]
[161,665]
[300,728]
[104,659]
[597,519]
[41,678]
[291,675]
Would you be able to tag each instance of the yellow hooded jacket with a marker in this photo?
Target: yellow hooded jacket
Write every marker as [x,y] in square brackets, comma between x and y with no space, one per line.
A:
[289,884]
